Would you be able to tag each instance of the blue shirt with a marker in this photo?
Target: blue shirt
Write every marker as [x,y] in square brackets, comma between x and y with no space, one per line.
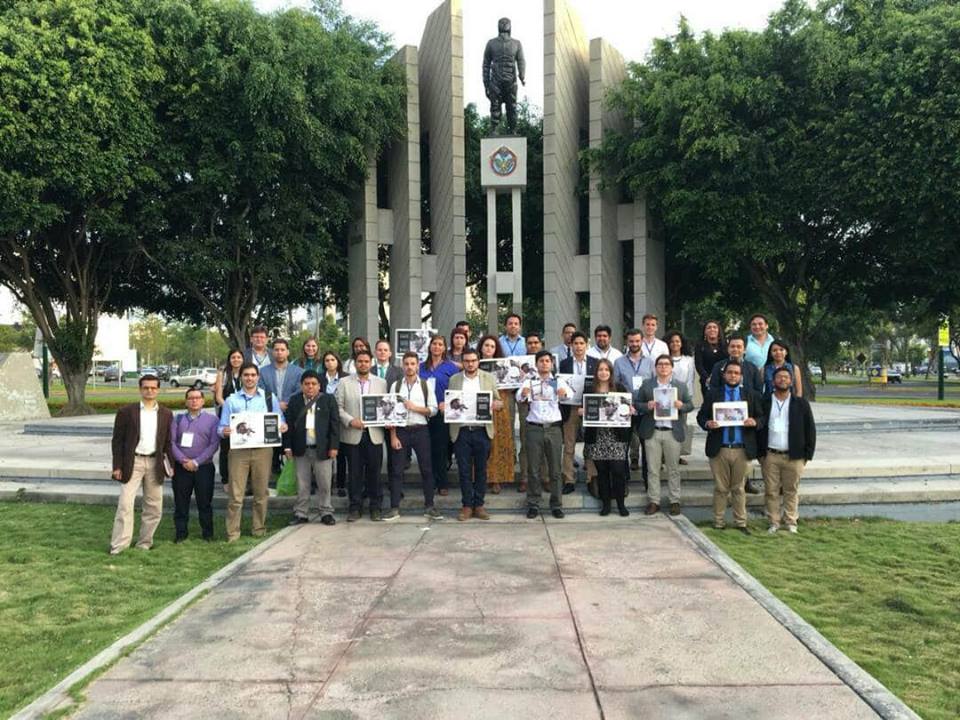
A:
[757,353]
[441,375]
[205,438]
[732,435]
[512,348]
[241,402]
[625,370]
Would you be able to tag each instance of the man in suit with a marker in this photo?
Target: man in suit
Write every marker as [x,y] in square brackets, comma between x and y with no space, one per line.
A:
[579,363]
[787,443]
[280,378]
[313,438]
[663,438]
[140,445]
[731,449]
[471,443]
[364,446]
[384,367]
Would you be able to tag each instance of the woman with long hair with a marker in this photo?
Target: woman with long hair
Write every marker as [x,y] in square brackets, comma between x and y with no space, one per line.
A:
[500,467]
[310,355]
[458,343]
[440,370]
[685,373]
[778,356]
[711,349]
[607,447]
[356,345]
[330,377]
[227,383]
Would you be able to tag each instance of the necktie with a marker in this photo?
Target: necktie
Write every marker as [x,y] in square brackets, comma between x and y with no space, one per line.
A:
[568,351]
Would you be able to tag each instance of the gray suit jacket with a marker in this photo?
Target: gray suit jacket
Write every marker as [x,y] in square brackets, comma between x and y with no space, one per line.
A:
[487,382]
[348,400]
[647,420]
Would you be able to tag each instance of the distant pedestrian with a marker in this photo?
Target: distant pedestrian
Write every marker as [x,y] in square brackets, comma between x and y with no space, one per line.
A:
[195,441]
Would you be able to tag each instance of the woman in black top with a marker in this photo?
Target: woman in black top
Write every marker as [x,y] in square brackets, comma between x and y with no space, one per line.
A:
[607,447]
[711,349]
[228,382]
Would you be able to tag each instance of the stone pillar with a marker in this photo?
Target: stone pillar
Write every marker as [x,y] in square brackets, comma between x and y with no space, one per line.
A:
[565,99]
[362,258]
[648,267]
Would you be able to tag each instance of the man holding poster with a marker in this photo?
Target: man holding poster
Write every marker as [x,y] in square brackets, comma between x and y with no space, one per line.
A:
[662,407]
[248,459]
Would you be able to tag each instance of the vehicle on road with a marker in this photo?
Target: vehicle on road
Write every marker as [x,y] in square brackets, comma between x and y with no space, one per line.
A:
[815,371]
[113,374]
[195,377]
[893,376]
[149,371]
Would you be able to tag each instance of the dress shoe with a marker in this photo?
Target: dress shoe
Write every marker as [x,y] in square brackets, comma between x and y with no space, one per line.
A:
[652,509]
[341,492]
[179,539]
[557,513]
[298,520]
[328,520]
[495,488]
[605,508]
[569,488]
[353,516]
[465,514]
[480,513]
[622,509]
[744,530]
[674,508]
[532,513]
[443,491]
[522,487]
[208,538]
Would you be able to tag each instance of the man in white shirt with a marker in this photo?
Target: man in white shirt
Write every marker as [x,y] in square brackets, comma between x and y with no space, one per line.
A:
[544,436]
[421,404]
[602,349]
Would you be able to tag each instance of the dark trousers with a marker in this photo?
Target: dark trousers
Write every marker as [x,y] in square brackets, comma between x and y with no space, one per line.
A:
[472,449]
[611,479]
[341,480]
[365,460]
[225,460]
[416,438]
[185,484]
[439,456]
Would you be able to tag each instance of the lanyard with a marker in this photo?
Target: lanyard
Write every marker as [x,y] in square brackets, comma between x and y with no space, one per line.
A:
[410,389]
[780,406]
[649,348]
[636,367]
[513,345]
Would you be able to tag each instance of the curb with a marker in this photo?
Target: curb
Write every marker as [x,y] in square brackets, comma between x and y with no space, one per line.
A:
[871,691]
[56,696]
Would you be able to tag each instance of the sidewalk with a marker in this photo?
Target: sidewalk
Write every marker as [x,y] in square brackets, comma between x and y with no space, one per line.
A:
[579,618]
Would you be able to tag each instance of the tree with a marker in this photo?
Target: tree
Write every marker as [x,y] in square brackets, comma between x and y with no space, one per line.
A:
[267,122]
[76,125]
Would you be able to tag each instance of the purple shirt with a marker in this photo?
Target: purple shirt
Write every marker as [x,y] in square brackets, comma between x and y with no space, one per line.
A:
[205,437]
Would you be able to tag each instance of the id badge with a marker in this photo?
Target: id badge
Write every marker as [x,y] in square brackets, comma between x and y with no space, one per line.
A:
[637,382]
[186,440]
[779,425]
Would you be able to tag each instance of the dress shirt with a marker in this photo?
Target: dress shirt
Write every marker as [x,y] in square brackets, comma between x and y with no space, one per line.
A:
[757,352]
[544,399]
[732,435]
[281,376]
[471,384]
[684,372]
[241,402]
[650,351]
[261,360]
[513,347]
[579,366]
[611,353]
[204,442]
[778,427]
[332,383]
[562,351]
[147,445]
[414,393]
[626,368]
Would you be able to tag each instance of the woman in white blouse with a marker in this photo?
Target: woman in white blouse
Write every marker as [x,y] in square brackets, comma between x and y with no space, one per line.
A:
[684,372]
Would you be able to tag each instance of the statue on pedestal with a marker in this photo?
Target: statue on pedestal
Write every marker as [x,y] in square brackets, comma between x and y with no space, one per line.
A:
[503,63]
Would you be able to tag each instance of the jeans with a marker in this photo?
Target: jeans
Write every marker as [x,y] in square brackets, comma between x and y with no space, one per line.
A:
[472,449]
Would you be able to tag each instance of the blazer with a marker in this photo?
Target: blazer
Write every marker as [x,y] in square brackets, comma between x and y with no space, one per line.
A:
[621,434]
[126,435]
[647,419]
[752,378]
[291,381]
[715,437]
[801,430]
[394,373]
[348,403]
[566,367]
[487,382]
[324,380]
[326,423]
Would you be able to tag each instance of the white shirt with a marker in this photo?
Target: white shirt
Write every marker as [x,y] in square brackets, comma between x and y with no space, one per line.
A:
[414,393]
[778,429]
[579,366]
[311,429]
[611,353]
[471,384]
[261,360]
[147,445]
[650,351]
[684,372]
[544,399]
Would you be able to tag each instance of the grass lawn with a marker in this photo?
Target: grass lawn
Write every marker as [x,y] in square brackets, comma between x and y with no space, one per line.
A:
[63,598]
[886,593]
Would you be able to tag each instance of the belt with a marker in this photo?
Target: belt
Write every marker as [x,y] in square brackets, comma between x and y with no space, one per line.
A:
[545,425]
[778,452]
[732,445]
[472,428]
[153,454]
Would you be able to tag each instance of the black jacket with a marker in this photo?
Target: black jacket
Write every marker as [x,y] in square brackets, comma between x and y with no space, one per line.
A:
[801,430]
[715,437]
[326,423]
[752,378]
[566,367]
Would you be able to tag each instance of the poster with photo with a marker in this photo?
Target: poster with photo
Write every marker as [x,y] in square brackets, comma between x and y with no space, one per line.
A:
[576,384]
[730,414]
[468,408]
[254,430]
[383,410]
[412,340]
[665,407]
[607,410]
[510,372]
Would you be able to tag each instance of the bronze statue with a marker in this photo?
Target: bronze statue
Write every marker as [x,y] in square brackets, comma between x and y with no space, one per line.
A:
[502,63]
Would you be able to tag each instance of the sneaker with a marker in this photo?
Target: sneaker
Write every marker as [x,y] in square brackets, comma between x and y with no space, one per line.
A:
[328,520]
[392,514]
[375,516]
[432,513]
[480,513]
[532,513]
[772,530]
[298,520]
[674,508]
[465,514]
[792,529]
[353,516]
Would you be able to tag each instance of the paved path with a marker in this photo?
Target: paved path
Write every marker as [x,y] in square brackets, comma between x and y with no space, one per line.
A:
[579,618]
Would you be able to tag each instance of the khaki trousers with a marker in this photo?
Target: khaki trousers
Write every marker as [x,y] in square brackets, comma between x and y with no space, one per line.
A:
[662,446]
[782,473]
[310,466]
[570,429]
[255,464]
[144,472]
[524,410]
[729,469]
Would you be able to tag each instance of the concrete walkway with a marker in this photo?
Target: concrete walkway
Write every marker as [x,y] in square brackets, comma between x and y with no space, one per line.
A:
[579,618]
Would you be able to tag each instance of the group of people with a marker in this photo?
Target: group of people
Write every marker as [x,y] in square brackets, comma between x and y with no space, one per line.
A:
[317,399]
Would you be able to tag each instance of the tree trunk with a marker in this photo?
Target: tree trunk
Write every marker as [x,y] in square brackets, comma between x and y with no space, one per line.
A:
[75,382]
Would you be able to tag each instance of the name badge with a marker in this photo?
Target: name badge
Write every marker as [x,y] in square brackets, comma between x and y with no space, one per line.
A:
[779,425]
[186,440]
[637,382]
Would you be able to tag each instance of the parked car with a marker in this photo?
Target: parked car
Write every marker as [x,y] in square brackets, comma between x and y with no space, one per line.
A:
[112,374]
[148,371]
[195,377]
[816,372]
[893,376]
[163,372]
